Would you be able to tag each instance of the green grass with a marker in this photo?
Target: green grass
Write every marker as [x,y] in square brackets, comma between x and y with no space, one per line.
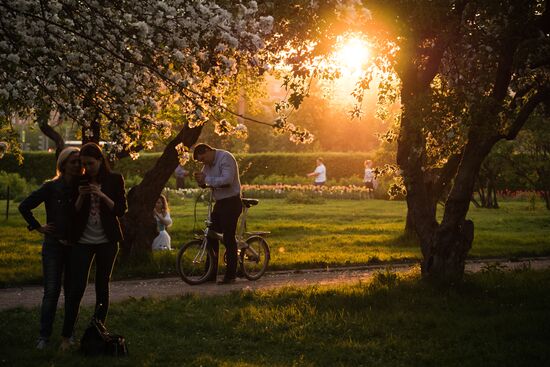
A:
[493,319]
[335,233]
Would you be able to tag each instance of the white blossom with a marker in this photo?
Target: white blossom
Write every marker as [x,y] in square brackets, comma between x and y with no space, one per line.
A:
[125,62]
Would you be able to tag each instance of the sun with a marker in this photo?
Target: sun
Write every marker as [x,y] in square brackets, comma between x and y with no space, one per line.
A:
[351,55]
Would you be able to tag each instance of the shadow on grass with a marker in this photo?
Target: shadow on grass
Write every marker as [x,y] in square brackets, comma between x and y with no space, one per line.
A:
[492,319]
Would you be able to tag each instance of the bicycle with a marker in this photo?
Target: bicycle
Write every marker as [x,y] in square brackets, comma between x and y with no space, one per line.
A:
[194,260]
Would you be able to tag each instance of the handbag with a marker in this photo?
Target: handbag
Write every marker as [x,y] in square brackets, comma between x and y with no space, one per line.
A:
[98,341]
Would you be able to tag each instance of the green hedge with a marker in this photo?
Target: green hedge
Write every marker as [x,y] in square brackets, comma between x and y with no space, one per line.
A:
[37,166]
[339,165]
[19,188]
[40,166]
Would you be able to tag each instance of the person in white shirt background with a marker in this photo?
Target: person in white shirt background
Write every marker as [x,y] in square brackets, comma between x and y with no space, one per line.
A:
[320,173]
[369,179]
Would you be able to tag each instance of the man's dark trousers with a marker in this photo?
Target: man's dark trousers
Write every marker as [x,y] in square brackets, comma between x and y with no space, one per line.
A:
[224,220]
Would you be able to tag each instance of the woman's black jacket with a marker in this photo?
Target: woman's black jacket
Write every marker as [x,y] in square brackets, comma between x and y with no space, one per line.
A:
[58,197]
[112,185]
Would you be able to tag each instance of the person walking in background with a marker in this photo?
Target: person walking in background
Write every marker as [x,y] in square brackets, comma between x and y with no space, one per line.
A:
[57,195]
[162,216]
[99,204]
[180,174]
[221,172]
[320,173]
[369,179]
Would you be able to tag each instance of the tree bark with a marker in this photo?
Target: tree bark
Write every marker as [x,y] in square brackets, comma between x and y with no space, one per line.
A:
[42,118]
[139,226]
[546,197]
[453,238]
[444,246]
[410,158]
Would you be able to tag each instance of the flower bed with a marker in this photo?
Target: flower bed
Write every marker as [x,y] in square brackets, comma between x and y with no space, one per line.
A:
[281,191]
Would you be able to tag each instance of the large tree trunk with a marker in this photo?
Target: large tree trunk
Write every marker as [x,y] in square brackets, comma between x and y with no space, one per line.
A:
[410,158]
[139,225]
[444,246]
[445,257]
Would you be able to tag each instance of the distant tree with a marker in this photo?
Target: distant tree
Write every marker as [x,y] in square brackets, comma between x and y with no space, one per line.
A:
[492,177]
[531,158]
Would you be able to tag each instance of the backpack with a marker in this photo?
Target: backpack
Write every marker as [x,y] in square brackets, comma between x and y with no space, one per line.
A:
[98,341]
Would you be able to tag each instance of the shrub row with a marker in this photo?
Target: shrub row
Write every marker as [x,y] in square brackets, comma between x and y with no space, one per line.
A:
[37,166]
[19,188]
[339,165]
[41,165]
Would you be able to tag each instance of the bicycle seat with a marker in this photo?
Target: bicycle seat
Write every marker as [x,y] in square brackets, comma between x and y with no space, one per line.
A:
[250,202]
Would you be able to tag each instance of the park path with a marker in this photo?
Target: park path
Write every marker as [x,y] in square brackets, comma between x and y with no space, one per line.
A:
[31,296]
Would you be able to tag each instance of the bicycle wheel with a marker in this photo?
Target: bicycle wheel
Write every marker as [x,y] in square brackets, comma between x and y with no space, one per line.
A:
[254,258]
[194,262]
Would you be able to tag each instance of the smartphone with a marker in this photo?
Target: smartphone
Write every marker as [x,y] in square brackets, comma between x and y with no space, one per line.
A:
[83,181]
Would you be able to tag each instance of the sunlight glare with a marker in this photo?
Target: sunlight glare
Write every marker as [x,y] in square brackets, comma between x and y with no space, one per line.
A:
[352,55]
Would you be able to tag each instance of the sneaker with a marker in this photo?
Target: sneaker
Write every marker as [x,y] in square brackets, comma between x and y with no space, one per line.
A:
[42,343]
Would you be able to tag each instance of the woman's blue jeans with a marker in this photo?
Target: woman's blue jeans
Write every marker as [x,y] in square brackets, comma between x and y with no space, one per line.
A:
[55,263]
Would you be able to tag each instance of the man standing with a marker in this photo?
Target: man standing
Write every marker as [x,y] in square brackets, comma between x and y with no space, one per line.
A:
[320,173]
[221,172]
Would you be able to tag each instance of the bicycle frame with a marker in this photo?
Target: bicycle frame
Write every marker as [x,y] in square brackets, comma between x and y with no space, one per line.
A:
[250,251]
[241,233]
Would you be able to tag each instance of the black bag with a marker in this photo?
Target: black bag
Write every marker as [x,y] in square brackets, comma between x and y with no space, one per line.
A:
[98,341]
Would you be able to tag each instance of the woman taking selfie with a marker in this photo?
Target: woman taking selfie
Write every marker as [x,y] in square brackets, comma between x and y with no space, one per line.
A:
[96,232]
[57,195]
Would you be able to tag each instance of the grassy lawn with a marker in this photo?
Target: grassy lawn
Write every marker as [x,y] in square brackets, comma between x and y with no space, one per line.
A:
[335,233]
[493,319]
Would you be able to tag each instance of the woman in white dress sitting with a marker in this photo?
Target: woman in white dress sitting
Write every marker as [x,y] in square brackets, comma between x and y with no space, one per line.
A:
[162,216]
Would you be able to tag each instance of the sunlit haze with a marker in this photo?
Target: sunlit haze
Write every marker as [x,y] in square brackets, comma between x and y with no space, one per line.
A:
[352,56]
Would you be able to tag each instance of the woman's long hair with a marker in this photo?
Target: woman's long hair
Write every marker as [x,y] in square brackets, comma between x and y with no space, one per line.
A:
[165,208]
[62,160]
[93,150]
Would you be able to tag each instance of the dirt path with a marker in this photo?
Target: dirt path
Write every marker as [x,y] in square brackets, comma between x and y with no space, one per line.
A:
[29,297]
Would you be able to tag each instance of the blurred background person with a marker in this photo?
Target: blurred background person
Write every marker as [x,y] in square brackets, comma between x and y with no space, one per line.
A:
[320,173]
[162,216]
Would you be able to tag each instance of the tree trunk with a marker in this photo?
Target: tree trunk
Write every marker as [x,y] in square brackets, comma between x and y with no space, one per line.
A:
[474,201]
[486,187]
[546,196]
[139,226]
[410,158]
[493,193]
[42,118]
[450,246]
[444,246]
[453,238]
[482,196]
[409,226]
